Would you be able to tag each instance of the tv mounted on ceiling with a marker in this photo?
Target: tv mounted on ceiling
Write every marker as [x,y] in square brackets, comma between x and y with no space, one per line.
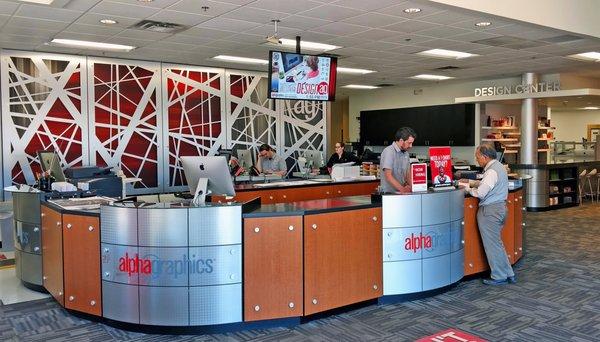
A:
[295,76]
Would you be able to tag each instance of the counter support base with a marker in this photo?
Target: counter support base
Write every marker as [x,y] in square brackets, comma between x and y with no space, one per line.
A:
[34,287]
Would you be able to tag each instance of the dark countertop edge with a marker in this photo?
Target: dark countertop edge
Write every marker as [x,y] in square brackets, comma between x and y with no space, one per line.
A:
[299,186]
[551,166]
[303,212]
[72,212]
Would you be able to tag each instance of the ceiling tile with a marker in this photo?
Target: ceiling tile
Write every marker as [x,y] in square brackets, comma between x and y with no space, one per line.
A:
[407,38]
[245,39]
[81,36]
[18,45]
[442,31]
[129,41]
[469,24]
[91,29]
[374,20]
[185,39]
[316,36]
[340,29]
[225,24]
[473,36]
[206,33]
[256,15]
[81,5]
[398,10]
[124,10]
[375,34]
[347,41]
[195,6]
[378,46]
[37,23]
[145,35]
[446,17]
[94,19]
[269,30]
[165,45]
[411,26]
[24,38]
[304,23]
[8,8]
[153,3]
[182,18]
[285,6]
[4,19]
[331,12]
[407,49]
[369,5]
[48,13]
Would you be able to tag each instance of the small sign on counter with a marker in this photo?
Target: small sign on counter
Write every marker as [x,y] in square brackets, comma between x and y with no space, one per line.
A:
[419,177]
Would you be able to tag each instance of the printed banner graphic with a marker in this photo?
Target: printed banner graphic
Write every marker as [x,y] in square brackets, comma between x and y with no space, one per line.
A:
[441,165]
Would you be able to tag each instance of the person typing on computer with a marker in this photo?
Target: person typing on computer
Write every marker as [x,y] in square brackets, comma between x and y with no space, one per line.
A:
[269,162]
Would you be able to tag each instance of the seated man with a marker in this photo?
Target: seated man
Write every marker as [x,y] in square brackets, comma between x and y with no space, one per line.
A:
[268,162]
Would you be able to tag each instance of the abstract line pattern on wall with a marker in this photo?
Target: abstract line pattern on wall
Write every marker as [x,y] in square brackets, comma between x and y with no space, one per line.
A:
[42,110]
[194,104]
[251,118]
[124,119]
[304,127]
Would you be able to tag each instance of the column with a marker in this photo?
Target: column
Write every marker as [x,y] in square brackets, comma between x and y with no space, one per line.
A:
[529,121]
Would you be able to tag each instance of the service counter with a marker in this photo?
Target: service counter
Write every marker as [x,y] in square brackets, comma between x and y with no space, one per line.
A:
[221,265]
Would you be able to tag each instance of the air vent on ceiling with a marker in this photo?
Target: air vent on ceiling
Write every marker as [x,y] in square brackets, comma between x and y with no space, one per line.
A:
[448,67]
[562,39]
[510,42]
[157,26]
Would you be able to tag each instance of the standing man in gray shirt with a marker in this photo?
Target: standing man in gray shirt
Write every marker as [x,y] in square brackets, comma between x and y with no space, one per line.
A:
[395,162]
[492,192]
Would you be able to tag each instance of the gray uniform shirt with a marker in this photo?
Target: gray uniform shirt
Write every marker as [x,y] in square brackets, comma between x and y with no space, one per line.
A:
[275,163]
[392,158]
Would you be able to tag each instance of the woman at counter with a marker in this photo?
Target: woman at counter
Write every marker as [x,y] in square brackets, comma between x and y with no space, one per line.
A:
[340,156]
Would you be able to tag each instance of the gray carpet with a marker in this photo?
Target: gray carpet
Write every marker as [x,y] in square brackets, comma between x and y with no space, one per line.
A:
[557,298]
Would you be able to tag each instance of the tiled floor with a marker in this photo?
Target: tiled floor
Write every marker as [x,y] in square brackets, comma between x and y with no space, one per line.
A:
[12,291]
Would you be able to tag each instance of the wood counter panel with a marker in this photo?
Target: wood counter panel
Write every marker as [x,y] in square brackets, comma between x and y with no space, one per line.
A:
[342,259]
[81,235]
[518,218]
[475,259]
[272,268]
[508,232]
[52,251]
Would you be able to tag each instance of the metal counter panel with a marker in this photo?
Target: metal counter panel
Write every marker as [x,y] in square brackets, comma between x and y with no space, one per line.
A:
[118,225]
[169,266]
[215,265]
[436,240]
[31,268]
[119,263]
[456,236]
[18,263]
[215,304]
[28,237]
[436,272]
[457,205]
[211,226]
[401,277]
[164,306]
[120,302]
[436,208]
[457,266]
[27,207]
[401,211]
[162,227]
[401,244]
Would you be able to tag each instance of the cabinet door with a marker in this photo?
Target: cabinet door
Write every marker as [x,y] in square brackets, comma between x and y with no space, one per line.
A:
[508,232]
[82,263]
[518,210]
[273,267]
[475,259]
[52,251]
[342,259]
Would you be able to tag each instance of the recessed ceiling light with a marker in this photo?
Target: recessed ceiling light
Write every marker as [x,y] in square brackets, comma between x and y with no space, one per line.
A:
[308,45]
[236,59]
[92,45]
[431,77]
[359,86]
[591,108]
[483,24]
[42,2]
[412,10]
[446,54]
[354,71]
[108,21]
[587,56]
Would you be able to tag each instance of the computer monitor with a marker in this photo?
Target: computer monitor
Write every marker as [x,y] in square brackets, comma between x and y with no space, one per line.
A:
[245,158]
[49,161]
[207,173]
[314,158]
[227,153]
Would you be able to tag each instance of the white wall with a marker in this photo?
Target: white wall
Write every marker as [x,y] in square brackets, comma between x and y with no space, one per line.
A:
[572,125]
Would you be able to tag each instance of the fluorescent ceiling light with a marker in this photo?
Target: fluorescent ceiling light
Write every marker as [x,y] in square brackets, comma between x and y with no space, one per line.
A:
[431,77]
[587,56]
[236,59]
[446,54]
[92,45]
[108,21]
[308,45]
[42,2]
[359,86]
[483,24]
[354,71]
[591,108]
[412,10]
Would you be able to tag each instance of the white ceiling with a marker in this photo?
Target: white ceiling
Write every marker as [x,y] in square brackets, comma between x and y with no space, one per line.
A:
[375,34]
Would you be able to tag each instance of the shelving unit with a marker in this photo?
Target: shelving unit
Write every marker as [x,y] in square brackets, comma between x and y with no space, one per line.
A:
[562,187]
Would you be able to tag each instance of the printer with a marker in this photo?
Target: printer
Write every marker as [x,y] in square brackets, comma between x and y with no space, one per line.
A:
[94,178]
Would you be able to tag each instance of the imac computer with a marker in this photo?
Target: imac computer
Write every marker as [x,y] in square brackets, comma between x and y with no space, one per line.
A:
[49,161]
[207,174]
[245,158]
[313,159]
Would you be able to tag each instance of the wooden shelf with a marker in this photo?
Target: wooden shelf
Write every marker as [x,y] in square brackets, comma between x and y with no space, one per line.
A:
[511,152]
[547,128]
[544,150]
[503,139]
[500,127]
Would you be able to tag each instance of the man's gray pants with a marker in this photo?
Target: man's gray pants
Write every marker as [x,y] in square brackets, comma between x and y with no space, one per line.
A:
[490,220]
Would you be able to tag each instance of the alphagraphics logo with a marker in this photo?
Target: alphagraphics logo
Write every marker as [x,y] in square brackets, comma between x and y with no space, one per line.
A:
[155,267]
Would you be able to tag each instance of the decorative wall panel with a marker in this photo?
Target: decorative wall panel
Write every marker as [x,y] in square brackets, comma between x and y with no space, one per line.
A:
[125,122]
[42,97]
[251,117]
[193,107]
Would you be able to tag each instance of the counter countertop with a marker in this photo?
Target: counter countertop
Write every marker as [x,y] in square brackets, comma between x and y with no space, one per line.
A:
[313,206]
[290,184]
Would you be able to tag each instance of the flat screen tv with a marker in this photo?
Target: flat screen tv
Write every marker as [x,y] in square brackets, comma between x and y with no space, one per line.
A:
[295,76]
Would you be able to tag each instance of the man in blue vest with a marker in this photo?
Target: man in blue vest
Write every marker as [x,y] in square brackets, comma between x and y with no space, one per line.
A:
[492,192]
